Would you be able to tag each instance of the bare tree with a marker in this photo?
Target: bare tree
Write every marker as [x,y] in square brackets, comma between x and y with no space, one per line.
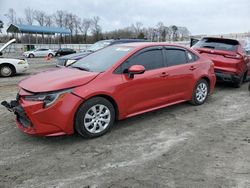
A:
[29,15]
[39,16]
[96,28]
[85,27]
[183,33]
[48,20]
[59,18]
[137,27]
[70,21]
[174,32]
[20,21]
[11,16]
[1,26]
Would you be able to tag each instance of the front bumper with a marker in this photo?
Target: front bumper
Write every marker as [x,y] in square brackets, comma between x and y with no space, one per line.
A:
[22,68]
[32,118]
[226,77]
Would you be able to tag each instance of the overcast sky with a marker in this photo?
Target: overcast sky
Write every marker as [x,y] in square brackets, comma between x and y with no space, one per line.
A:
[199,16]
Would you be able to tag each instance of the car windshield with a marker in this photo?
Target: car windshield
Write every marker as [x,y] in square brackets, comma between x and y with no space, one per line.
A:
[217,44]
[98,45]
[102,59]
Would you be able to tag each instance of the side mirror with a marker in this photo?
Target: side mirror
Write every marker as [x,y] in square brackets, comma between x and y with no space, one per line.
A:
[135,69]
[1,53]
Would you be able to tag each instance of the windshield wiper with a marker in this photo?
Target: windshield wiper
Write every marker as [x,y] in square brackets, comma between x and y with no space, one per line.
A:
[81,68]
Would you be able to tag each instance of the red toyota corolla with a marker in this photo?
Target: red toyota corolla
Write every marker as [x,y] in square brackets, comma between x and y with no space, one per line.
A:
[111,84]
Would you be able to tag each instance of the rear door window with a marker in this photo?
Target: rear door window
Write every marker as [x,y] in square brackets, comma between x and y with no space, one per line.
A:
[175,57]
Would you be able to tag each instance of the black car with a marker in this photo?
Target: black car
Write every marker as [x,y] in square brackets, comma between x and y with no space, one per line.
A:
[64,51]
[69,59]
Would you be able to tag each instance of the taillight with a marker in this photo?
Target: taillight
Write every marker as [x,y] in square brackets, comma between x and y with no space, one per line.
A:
[236,56]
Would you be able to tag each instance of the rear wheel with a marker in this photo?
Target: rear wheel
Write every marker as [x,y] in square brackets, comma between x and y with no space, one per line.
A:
[94,117]
[200,92]
[31,55]
[6,70]
[239,82]
[50,55]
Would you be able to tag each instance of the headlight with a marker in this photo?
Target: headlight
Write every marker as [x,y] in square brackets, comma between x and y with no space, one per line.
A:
[70,61]
[47,98]
[21,62]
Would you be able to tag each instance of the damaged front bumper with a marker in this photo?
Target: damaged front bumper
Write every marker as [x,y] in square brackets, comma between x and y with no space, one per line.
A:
[21,117]
[35,119]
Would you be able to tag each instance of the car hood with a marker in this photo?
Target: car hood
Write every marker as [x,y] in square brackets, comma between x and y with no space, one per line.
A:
[7,44]
[57,79]
[75,56]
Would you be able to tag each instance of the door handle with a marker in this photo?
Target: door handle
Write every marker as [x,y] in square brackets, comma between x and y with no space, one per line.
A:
[164,74]
[192,68]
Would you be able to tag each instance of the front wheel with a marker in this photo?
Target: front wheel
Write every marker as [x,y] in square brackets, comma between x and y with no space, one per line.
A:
[200,92]
[94,117]
[6,71]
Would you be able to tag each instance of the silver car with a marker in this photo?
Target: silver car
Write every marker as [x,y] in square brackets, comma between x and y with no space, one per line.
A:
[42,52]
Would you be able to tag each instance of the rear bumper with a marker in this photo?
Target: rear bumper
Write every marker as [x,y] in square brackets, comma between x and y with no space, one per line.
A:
[227,77]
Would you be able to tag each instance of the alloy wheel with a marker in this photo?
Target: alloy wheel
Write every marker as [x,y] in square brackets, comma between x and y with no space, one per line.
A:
[97,118]
[6,71]
[201,92]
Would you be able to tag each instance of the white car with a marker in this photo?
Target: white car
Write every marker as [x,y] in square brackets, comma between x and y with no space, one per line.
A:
[42,52]
[11,66]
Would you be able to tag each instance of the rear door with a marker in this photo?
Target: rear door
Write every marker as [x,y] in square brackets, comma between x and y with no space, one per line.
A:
[182,66]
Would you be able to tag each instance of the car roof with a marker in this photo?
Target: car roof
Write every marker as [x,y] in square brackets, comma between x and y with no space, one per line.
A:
[148,44]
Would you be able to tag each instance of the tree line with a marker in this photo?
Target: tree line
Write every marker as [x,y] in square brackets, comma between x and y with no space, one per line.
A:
[89,30]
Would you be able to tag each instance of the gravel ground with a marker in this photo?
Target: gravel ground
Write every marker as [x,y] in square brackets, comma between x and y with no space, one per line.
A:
[179,146]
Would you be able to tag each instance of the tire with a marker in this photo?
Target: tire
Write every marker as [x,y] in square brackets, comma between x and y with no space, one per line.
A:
[245,77]
[50,55]
[31,56]
[90,122]
[6,70]
[200,92]
[238,83]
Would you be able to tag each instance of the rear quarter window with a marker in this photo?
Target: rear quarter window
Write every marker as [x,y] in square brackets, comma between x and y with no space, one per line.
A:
[175,57]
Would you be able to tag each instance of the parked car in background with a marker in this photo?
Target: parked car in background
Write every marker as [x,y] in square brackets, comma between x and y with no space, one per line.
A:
[64,51]
[230,59]
[42,52]
[111,84]
[11,66]
[69,59]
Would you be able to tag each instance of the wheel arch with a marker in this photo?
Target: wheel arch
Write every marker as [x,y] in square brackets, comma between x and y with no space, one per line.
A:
[208,81]
[110,99]
[10,65]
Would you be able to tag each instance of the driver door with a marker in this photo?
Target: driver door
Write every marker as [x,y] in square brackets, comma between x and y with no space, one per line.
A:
[144,91]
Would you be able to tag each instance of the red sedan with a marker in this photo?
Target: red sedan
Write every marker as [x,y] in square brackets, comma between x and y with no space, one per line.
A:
[111,84]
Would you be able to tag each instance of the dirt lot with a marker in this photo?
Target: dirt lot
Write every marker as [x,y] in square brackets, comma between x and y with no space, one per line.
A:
[179,146]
